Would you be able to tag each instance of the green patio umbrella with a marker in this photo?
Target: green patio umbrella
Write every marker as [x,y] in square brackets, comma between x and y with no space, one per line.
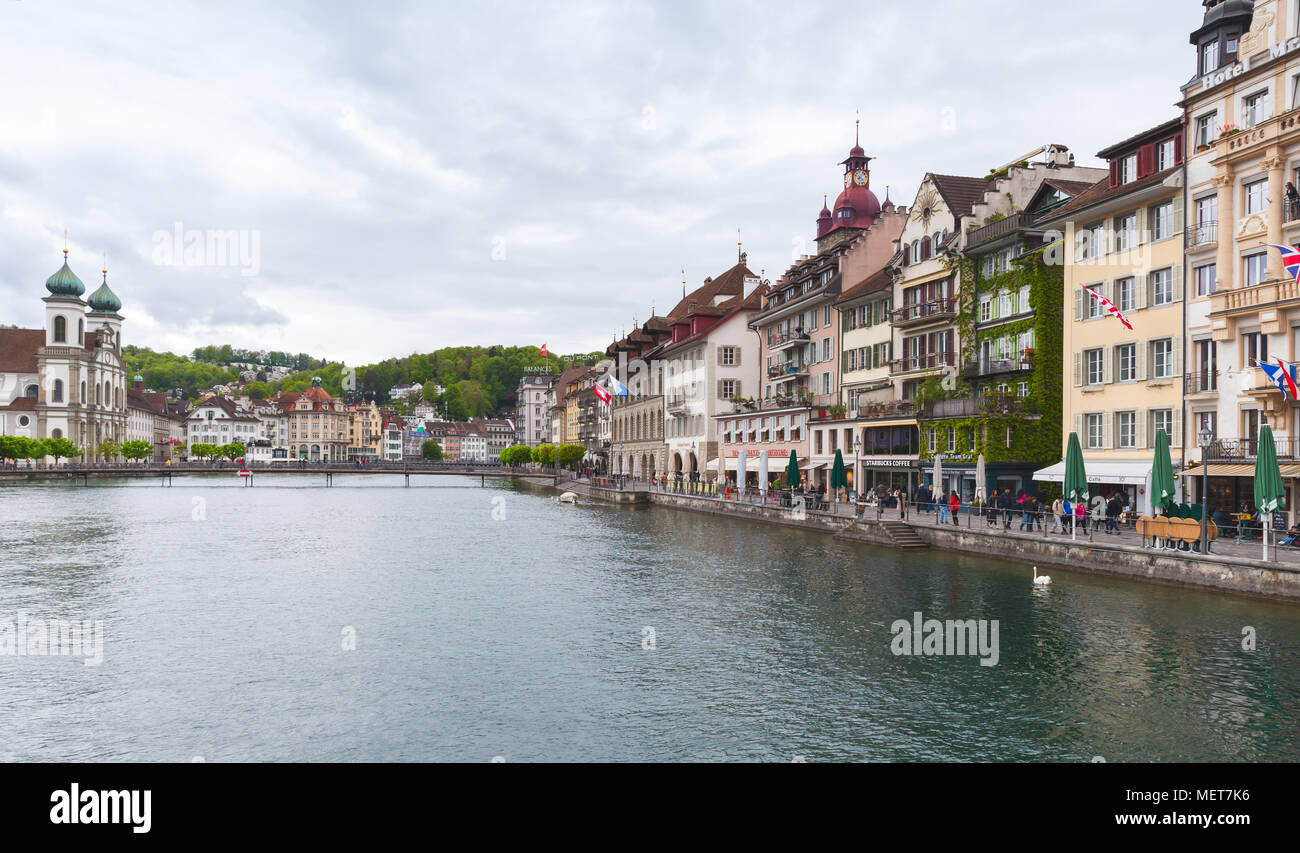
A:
[839,480]
[792,472]
[1269,490]
[1162,475]
[1075,485]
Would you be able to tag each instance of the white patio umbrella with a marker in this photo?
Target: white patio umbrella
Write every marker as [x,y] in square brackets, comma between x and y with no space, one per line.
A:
[979,479]
[936,475]
[762,473]
[740,473]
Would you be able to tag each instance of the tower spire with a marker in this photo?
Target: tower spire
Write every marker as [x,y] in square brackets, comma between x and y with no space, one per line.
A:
[105,269]
[857,120]
[739,254]
[65,245]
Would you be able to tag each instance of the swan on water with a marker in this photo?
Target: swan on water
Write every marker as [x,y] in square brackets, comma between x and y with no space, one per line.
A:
[568,498]
[1041,580]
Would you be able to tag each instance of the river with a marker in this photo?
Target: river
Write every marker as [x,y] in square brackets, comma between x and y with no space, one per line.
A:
[451,622]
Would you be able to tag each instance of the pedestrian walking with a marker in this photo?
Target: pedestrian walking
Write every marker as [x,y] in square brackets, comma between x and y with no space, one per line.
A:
[1058,514]
[954,505]
[941,499]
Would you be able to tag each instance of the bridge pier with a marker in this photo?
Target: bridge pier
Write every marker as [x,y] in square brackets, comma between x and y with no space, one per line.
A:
[329,478]
[408,480]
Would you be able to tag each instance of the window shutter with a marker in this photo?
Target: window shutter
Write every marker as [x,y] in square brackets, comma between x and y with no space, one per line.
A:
[1142,287]
[1107,430]
[1178,149]
[844,362]
[736,385]
[1078,304]
[1176,282]
[1078,369]
[1176,219]
[1177,357]
[1108,365]
[1140,360]
[1114,176]
[1078,427]
[1141,235]
[1140,429]
[1147,160]
[1176,439]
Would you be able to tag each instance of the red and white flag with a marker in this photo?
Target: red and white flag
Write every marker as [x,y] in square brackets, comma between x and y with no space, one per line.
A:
[601,393]
[1110,307]
[543,350]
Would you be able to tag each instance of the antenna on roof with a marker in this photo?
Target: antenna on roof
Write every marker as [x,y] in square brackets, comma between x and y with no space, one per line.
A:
[740,256]
[683,282]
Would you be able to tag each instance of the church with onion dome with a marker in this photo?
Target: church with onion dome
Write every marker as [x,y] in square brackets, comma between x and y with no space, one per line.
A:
[67,380]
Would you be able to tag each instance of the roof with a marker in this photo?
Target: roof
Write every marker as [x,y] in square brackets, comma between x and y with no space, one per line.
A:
[18,349]
[1103,191]
[730,283]
[1150,134]
[960,193]
[1070,188]
[21,404]
[879,281]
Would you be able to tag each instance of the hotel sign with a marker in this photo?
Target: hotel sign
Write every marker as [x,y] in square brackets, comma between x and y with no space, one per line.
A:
[1236,69]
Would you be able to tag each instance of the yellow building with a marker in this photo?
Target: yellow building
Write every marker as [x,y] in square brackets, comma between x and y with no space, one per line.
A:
[1123,238]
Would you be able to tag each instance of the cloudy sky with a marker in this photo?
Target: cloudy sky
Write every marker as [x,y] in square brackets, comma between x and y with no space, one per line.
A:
[406,176]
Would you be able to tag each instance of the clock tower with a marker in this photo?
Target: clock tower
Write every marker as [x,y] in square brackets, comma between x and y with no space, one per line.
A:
[857,206]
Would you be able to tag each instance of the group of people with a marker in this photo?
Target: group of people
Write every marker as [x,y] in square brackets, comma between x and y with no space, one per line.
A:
[1004,505]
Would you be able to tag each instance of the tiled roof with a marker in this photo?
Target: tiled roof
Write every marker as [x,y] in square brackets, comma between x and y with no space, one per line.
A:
[18,349]
[22,404]
[730,283]
[1103,191]
[878,281]
[1160,130]
[1070,188]
[960,193]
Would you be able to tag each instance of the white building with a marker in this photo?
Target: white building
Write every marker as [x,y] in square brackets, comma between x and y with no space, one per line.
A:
[219,421]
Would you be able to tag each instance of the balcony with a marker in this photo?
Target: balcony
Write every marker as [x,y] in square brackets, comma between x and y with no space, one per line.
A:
[1245,449]
[787,340]
[887,410]
[998,366]
[989,404]
[676,405]
[1201,234]
[922,313]
[994,230]
[789,370]
[918,363]
[1200,383]
[1247,298]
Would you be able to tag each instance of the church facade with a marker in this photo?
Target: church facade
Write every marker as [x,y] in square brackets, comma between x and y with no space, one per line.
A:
[67,380]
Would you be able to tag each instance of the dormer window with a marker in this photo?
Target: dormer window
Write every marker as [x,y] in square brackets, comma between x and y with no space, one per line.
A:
[1209,56]
[1164,155]
[1128,168]
[1230,46]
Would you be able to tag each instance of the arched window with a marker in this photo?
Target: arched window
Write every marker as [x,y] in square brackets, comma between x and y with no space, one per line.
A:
[56,433]
[916,251]
[81,333]
[60,329]
[99,394]
[108,393]
[58,391]
[82,398]
[32,391]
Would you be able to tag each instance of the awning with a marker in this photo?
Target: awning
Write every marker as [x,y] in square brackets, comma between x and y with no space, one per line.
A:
[812,466]
[713,464]
[902,422]
[1132,472]
[1237,469]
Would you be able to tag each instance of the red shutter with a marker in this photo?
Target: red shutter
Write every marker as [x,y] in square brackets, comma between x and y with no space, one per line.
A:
[1146,160]
[1178,148]
[1114,172]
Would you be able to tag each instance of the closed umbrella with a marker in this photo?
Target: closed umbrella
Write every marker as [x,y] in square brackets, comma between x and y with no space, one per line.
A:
[792,472]
[979,479]
[1075,486]
[936,475]
[1162,475]
[762,473]
[1269,491]
[740,473]
[838,478]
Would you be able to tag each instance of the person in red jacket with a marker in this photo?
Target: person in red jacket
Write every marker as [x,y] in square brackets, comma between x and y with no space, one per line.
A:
[954,505]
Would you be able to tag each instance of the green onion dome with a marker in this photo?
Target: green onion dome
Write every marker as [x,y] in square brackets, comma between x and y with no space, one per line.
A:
[104,301]
[65,281]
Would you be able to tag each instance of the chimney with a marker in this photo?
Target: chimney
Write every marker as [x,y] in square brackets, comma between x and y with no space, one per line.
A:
[751,282]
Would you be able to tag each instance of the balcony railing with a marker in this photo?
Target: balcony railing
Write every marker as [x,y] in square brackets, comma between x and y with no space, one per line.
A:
[925,312]
[931,361]
[1202,234]
[885,410]
[788,369]
[989,404]
[995,366]
[676,405]
[1200,383]
[993,230]
[1255,296]
[1241,449]
[798,336]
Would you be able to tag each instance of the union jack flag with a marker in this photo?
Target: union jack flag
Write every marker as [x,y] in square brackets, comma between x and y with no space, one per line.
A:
[1290,259]
[1110,307]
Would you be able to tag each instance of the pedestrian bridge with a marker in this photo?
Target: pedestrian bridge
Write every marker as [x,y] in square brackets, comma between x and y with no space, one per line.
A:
[251,473]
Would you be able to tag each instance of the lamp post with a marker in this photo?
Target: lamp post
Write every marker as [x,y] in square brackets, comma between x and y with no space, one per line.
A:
[1203,439]
[857,465]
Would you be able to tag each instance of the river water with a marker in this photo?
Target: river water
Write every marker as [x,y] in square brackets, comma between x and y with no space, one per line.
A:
[448,621]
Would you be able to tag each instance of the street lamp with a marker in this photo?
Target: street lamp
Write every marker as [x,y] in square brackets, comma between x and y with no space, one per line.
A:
[857,464]
[1203,439]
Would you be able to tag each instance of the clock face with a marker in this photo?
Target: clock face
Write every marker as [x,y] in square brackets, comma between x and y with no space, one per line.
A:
[860,178]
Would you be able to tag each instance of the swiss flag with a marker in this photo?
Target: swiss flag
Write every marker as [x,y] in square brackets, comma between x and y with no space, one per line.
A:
[543,349]
[601,393]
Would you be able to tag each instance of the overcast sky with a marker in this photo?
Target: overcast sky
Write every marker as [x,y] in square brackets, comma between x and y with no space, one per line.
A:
[419,175]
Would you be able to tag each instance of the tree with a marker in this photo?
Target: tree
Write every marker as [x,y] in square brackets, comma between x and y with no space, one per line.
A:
[203,450]
[137,450]
[231,451]
[431,450]
[569,455]
[59,448]
[517,454]
[543,454]
[108,449]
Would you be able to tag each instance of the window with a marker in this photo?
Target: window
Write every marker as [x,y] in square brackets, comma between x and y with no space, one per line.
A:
[1254,348]
[1095,431]
[57,433]
[1125,294]
[1210,56]
[1205,279]
[1162,358]
[1210,421]
[1095,359]
[1022,389]
[1162,287]
[1295,91]
[1125,424]
[1091,304]
[1254,109]
[728,389]
[1161,218]
[33,391]
[1126,231]
[60,329]
[825,383]
[986,308]
[1256,196]
[1256,268]
[1206,366]
[1161,419]
[1205,128]
[1126,362]
[1207,210]
[1128,168]
[1250,423]
[828,345]
[727,356]
[57,395]
[952,440]
[1164,155]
